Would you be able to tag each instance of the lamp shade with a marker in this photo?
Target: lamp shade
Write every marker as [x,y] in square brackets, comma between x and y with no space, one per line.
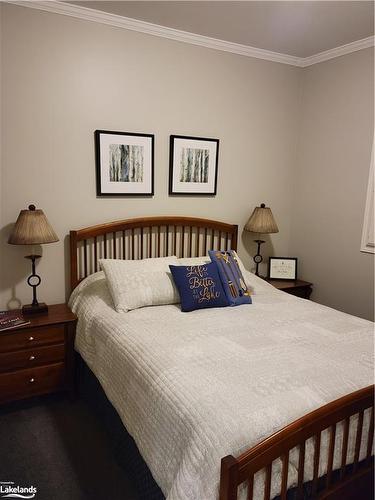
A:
[32,228]
[262,221]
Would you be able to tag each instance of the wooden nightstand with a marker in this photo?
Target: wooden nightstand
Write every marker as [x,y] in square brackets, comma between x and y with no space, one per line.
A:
[38,358]
[294,287]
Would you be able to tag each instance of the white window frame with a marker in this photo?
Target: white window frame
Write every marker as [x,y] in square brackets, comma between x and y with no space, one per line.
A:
[367,235]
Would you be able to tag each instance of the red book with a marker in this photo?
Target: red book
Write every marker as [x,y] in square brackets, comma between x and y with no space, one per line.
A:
[11,319]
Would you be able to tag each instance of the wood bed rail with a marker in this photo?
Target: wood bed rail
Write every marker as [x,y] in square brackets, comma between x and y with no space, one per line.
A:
[235,471]
[146,237]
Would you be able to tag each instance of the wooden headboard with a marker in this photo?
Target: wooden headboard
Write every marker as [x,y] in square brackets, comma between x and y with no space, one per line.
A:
[146,237]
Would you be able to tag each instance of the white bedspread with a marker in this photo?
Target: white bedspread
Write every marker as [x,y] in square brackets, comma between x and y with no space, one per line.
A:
[194,387]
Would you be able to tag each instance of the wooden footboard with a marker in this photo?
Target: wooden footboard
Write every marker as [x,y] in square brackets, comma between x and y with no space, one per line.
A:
[354,482]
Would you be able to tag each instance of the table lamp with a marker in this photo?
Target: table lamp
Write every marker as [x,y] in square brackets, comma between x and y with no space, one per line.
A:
[33,228]
[262,222]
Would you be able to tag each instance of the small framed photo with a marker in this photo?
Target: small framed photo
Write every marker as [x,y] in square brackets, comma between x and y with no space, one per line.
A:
[124,163]
[282,268]
[193,165]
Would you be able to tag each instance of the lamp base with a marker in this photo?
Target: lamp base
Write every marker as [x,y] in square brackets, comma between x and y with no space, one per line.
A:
[40,308]
[34,281]
[257,257]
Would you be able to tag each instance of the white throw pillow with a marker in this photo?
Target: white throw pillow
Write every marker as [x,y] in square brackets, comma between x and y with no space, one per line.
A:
[140,283]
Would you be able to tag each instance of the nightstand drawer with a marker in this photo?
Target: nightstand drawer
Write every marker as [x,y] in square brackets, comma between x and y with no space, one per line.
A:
[25,383]
[30,337]
[299,288]
[31,357]
[301,291]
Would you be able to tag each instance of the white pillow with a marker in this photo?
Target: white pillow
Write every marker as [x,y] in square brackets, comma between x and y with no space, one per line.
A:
[194,261]
[254,283]
[140,283]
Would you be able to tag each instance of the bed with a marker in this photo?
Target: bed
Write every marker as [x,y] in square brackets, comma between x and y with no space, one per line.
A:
[246,402]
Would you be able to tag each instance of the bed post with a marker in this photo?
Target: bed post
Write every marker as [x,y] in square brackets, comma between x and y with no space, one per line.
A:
[73,260]
[234,242]
[228,478]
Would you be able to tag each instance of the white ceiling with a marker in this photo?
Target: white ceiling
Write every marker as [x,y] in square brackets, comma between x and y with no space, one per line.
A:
[296,28]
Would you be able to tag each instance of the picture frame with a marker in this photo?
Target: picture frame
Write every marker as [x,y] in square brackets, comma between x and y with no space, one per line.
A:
[193,165]
[282,268]
[124,163]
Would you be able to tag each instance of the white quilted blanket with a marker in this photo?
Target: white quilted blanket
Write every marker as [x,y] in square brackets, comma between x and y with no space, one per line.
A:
[194,387]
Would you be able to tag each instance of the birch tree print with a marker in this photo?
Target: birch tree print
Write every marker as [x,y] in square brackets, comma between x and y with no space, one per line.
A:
[194,165]
[126,163]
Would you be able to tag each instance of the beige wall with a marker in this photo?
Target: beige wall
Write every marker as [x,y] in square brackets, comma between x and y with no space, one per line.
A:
[332,169]
[63,78]
[297,139]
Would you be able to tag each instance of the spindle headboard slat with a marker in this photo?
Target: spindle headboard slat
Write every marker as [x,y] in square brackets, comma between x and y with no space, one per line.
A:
[145,237]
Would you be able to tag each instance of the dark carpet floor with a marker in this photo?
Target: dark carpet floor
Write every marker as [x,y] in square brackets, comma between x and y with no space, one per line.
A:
[59,446]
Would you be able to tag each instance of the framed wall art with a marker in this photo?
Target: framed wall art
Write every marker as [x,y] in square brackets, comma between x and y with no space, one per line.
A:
[124,163]
[193,164]
[282,268]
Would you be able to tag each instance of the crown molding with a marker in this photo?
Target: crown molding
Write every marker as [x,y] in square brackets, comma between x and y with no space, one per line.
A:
[338,51]
[93,15]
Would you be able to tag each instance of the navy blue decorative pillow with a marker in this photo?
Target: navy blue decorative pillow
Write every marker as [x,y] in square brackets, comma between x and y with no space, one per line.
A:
[199,287]
[231,277]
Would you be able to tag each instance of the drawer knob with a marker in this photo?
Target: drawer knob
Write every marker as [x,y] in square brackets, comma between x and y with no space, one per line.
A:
[32,380]
[31,358]
[31,338]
